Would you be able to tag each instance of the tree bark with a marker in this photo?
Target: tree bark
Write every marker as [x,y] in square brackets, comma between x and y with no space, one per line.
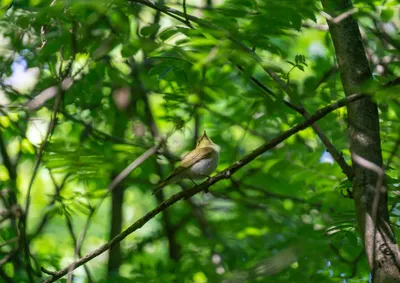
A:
[363,128]
[117,201]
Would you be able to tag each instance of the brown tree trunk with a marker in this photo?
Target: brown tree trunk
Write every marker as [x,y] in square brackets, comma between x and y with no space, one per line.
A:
[363,128]
[117,201]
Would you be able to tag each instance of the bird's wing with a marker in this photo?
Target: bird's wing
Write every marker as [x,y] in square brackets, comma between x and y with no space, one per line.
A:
[188,160]
[191,158]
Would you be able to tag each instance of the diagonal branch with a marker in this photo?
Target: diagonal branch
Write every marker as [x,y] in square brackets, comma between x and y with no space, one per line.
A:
[225,174]
[77,244]
[283,85]
[301,110]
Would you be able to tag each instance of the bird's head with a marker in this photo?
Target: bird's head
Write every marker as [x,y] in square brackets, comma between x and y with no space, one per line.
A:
[205,141]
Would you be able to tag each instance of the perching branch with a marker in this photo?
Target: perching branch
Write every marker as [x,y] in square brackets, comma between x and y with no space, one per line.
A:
[225,174]
[283,85]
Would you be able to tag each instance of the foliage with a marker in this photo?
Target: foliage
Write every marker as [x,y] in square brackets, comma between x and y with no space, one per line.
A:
[115,76]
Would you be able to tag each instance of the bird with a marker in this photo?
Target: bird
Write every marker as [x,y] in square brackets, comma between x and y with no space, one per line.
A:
[197,164]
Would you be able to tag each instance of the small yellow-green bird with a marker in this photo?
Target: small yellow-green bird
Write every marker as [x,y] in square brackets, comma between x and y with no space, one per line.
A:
[197,164]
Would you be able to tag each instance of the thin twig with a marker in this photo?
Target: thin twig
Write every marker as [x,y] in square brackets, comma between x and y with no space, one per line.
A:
[5,259]
[48,271]
[392,153]
[46,216]
[50,130]
[340,17]
[133,165]
[301,110]
[22,224]
[117,180]
[100,134]
[232,121]
[77,245]
[185,12]
[15,239]
[271,194]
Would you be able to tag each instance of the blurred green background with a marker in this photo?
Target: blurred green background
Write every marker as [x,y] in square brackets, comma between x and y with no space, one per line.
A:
[89,86]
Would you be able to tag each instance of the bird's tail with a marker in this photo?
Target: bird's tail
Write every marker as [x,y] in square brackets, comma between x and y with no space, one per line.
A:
[172,178]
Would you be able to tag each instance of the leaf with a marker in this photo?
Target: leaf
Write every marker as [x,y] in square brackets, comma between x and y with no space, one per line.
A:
[167,33]
[387,14]
[129,50]
[119,21]
[149,30]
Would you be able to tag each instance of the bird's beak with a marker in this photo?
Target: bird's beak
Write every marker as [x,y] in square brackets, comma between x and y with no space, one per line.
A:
[203,137]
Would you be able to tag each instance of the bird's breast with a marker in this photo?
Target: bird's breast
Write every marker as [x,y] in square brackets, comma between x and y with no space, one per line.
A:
[204,167]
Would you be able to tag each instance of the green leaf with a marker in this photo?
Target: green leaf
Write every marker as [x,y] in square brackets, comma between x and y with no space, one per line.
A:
[168,33]
[387,14]
[149,30]
[119,21]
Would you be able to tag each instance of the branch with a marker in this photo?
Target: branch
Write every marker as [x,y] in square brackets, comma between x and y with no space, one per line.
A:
[271,194]
[185,12]
[5,259]
[22,223]
[246,202]
[77,245]
[117,180]
[50,130]
[100,134]
[393,153]
[46,217]
[133,166]
[225,174]
[339,18]
[285,87]
[301,110]
[15,239]
[232,121]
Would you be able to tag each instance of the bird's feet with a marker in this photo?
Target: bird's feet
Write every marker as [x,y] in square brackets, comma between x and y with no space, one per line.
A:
[192,181]
[208,178]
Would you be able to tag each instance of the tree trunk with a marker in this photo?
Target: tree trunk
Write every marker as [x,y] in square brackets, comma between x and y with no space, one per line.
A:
[117,201]
[363,128]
